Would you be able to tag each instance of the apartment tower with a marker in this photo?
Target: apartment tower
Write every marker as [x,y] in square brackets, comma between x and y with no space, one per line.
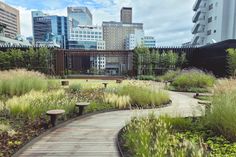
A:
[10,19]
[214,20]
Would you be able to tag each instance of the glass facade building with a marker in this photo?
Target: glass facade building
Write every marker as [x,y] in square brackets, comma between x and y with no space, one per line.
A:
[85,45]
[49,28]
[78,16]
[149,42]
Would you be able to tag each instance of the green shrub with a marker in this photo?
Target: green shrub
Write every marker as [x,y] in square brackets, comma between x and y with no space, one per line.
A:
[35,104]
[178,123]
[152,137]
[19,82]
[144,97]
[170,75]
[146,77]
[75,87]
[99,106]
[193,80]
[222,116]
[231,60]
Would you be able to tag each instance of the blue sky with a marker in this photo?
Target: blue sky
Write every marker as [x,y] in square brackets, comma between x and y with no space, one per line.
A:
[169,21]
[53,4]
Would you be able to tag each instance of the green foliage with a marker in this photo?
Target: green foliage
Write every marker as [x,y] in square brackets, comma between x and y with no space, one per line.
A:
[193,80]
[178,123]
[222,116]
[35,104]
[146,62]
[18,82]
[170,75]
[144,97]
[152,137]
[192,130]
[32,59]
[99,106]
[75,87]
[231,59]
[146,77]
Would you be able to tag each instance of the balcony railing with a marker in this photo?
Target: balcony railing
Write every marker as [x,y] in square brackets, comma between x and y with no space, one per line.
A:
[197,4]
[201,10]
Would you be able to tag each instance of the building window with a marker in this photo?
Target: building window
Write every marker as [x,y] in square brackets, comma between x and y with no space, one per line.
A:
[209,32]
[210,6]
[209,19]
[214,31]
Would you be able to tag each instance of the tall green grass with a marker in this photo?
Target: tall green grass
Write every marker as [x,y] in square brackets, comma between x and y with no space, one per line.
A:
[151,137]
[20,81]
[221,118]
[193,80]
[35,104]
[144,97]
[170,75]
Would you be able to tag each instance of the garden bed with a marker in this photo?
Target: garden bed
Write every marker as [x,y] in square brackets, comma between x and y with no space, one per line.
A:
[188,135]
[25,100]
[211,135]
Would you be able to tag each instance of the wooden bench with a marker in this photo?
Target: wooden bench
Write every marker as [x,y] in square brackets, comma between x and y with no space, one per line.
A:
[202,94]
[207,103]
[81,106]
[53,115]
[65,83]
[105,84]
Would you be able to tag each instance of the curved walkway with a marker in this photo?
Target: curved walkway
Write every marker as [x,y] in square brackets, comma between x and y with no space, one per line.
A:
[95,136]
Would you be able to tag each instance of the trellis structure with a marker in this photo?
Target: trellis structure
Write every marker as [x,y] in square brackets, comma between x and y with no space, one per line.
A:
[77,60]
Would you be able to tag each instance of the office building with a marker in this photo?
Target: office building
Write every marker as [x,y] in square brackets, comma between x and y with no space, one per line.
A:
[115,33]
[49,30]
[149,42]
[134,40]
[86,37]
[89,38]
[126,15]
[10,20]
[79,16]
[214,21]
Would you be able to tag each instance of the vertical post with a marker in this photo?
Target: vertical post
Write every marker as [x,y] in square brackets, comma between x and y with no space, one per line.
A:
[60,62]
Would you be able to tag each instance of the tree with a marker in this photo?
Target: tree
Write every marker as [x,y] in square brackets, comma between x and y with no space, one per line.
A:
[182,60]
[231,59]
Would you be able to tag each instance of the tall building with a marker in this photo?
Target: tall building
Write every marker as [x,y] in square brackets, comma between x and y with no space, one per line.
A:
[149,42]
[79,16]
[126,15]
[134,40]
[86,37]
[10,19]
[49,30]
[214,21]
[116,33]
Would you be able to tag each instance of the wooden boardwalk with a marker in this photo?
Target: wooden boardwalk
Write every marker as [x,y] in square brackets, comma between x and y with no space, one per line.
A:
[95,136]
